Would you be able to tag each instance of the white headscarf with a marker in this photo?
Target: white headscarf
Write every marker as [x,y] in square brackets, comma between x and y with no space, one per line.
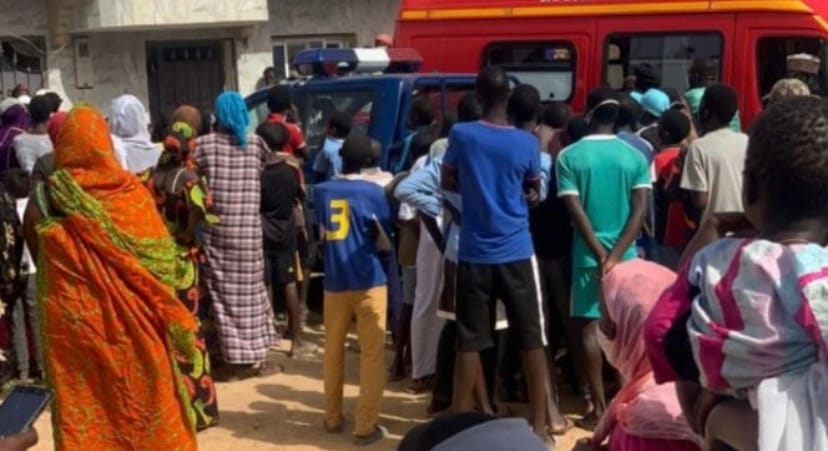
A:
[133,146]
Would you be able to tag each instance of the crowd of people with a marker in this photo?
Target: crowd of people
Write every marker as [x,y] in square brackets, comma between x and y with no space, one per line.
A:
[648,256]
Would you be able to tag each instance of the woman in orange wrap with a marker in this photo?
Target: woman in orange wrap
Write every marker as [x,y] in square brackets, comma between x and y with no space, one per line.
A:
[111,322]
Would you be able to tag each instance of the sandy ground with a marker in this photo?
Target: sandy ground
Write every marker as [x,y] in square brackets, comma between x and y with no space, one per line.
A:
[285,412]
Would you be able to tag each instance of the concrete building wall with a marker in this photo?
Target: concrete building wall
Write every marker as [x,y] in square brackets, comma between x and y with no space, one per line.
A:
[119,57]
[108,14]
[364,18]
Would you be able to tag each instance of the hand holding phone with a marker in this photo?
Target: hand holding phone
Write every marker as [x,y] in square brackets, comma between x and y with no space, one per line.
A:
[21,409]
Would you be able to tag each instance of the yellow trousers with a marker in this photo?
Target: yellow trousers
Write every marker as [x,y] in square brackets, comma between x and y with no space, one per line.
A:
[370,307]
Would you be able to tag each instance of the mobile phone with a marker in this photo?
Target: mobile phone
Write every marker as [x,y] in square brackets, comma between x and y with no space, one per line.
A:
[21,408]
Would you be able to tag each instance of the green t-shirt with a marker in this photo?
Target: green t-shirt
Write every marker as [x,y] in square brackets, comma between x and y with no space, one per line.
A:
[602,171]
[694,98]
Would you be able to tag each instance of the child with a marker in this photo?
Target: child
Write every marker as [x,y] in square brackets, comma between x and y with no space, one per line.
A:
[355,222]
[281,192]
[672,230]
[744,328]
[328,163]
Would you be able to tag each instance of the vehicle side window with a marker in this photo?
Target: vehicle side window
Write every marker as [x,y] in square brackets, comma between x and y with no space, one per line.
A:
[670,54]
[452,98]
[548,66]
[771,59]
[359,104]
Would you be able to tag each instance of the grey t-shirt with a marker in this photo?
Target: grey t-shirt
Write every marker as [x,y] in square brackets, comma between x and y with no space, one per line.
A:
[714,165]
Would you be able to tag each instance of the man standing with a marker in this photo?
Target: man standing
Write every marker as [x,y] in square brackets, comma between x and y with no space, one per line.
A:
[494,167]
[605,184]
[715,162]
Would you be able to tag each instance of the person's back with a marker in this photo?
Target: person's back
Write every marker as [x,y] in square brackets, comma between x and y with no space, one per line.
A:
[722,161]
[346,208]
[603,171]
[493,168]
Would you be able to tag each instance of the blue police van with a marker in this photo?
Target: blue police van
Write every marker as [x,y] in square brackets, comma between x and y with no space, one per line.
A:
[375,86]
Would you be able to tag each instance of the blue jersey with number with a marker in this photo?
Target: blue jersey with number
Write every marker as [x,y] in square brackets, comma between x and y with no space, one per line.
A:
[346,210]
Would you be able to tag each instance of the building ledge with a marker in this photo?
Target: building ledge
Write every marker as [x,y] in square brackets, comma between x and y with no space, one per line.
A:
[131,15]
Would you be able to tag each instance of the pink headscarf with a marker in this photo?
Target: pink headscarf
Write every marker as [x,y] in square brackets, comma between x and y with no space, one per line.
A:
[642,408]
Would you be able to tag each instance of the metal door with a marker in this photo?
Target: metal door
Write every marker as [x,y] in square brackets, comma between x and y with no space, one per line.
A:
[184,73]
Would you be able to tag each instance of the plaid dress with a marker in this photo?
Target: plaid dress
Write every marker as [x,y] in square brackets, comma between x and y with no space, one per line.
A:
[234,273]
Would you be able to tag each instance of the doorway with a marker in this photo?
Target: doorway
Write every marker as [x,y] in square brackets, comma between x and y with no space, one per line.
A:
[184,73]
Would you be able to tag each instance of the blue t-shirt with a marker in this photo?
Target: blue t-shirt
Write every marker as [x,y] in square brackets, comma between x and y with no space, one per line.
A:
[328,161]
[346,208]
[492,165]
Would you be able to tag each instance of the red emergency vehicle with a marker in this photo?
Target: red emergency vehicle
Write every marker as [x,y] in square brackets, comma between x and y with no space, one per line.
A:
[566,47]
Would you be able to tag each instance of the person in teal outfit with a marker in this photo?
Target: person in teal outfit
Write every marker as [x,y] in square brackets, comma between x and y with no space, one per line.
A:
[702,74]
[604,183]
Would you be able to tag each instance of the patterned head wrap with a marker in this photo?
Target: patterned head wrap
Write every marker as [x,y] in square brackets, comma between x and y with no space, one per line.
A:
[231,112]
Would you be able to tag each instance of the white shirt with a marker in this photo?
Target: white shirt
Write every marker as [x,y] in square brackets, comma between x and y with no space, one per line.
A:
[29,147]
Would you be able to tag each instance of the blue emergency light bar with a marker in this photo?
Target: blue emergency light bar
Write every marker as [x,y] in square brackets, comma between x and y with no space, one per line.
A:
[332,62]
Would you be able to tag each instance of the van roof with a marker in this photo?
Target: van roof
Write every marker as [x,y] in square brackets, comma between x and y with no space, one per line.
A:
[484,9]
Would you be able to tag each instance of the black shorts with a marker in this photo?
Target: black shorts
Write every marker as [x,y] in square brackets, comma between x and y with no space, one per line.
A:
[517,285]
[282,268]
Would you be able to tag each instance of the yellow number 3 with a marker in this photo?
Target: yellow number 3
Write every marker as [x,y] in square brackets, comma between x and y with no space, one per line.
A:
[340,220]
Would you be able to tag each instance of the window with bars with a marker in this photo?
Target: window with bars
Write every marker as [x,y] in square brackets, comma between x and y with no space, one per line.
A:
[22,61]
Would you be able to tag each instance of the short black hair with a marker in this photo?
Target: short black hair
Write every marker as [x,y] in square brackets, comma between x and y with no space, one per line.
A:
[646,77]
[524,104]
[556,114]
[341,123]
[469,109]
[492,86]
[55,100]
[673,127]
[422,111]
[787,156]
[274,134]
[357,152]
[720,102]
[40,109]
[629,111]
[278,99]
[576,129]
[604,114]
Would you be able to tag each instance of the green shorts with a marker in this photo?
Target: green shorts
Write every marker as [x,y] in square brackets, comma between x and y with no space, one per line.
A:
[586,286]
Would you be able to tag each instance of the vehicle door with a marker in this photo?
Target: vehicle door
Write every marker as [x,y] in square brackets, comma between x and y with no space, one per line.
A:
[444,92]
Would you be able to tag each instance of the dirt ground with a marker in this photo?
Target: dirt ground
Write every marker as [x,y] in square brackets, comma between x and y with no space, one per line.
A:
[285,412]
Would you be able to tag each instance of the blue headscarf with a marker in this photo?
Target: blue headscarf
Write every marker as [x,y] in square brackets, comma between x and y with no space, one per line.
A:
[231,113]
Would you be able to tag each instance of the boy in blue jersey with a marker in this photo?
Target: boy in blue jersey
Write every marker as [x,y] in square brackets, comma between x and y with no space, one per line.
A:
[495,167]
[355,222]
[604,183]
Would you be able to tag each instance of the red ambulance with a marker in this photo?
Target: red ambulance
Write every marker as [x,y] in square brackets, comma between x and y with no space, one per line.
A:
[567,47]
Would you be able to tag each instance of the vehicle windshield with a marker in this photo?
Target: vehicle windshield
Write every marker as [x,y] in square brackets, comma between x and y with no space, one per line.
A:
[316,107]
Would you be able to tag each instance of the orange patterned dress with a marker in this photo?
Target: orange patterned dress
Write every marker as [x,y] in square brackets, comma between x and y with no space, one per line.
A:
[111,321]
